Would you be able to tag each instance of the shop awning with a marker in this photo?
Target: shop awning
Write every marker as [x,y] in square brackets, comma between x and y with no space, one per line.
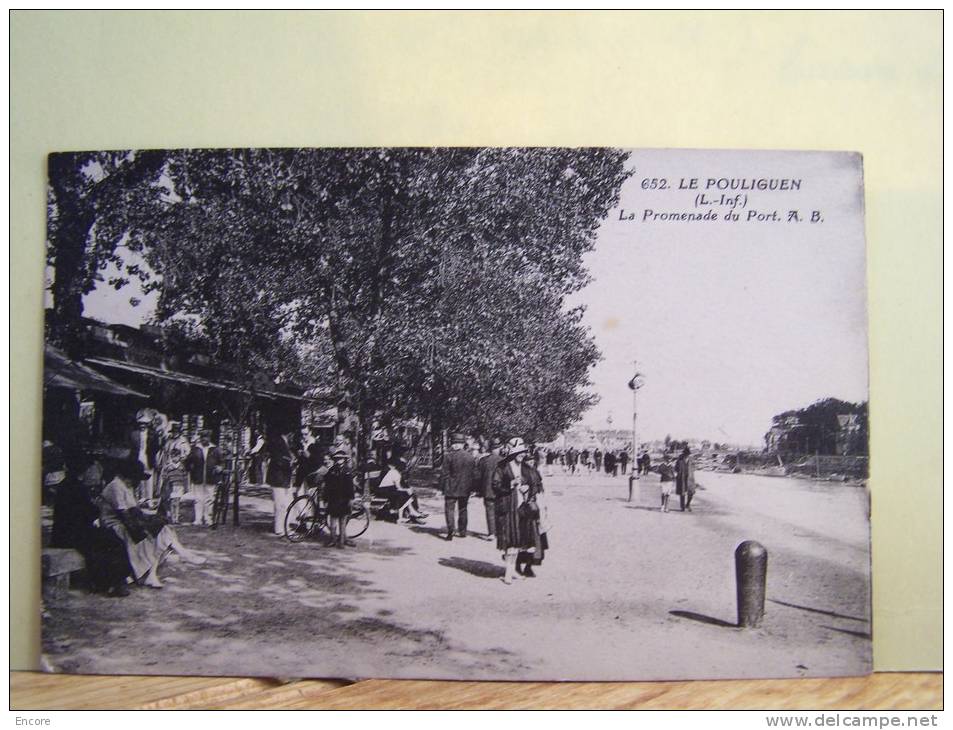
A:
[186,378]
[61,372]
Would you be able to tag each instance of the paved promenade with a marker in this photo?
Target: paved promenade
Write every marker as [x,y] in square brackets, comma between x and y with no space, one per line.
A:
[625,592]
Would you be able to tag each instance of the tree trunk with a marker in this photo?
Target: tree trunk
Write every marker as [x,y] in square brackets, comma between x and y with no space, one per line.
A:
[236,471]
[364,432]
[66,327]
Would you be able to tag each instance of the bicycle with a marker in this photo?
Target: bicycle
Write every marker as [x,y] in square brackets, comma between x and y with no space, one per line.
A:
[307,517]
[220,501]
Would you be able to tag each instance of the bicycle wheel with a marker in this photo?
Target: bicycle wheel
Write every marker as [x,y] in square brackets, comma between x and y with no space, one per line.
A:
[301,519]
[220,504]
[357,522]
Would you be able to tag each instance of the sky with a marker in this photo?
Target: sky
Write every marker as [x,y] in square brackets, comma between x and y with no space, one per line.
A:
[731,322]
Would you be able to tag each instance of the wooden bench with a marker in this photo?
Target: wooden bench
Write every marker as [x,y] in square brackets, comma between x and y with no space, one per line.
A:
[57,565]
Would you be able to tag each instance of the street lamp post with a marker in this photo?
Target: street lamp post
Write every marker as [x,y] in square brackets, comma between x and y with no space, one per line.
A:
[634,385]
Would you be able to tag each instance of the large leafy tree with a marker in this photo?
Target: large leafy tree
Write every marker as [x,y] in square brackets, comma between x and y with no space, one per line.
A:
[816,428]
[91,197]
[428,282]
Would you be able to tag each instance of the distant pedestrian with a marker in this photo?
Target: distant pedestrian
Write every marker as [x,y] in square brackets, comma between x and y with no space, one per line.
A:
[572,456]
[610,463]
[172,472]
[666,477]
[685,480]
[597,457]
[584,460]
[205,464]
[624,459]
[551,457]
[646,462]
[457,480]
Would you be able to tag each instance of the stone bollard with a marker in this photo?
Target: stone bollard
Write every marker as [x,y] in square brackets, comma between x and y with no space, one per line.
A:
[751,572]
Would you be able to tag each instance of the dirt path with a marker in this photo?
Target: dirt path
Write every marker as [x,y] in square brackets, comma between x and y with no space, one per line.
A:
[625,592]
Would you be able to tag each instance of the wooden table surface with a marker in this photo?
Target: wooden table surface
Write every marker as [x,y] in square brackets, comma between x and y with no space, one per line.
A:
[882,691]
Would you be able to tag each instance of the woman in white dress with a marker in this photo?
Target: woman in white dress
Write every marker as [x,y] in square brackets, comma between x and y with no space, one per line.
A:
[148,539]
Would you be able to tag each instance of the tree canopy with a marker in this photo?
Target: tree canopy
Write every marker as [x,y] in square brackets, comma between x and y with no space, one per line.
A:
[422,282]
[816,428]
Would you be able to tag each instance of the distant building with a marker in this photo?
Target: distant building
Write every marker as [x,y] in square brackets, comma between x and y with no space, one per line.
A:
[849,428]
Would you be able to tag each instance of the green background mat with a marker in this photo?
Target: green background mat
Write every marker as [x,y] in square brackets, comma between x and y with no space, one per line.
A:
[861,81]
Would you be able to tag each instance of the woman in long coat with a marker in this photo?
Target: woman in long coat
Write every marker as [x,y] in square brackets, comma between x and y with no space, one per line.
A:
[685,479]
[516,487]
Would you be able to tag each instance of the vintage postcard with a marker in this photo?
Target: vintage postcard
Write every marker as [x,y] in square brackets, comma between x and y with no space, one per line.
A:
[458,413]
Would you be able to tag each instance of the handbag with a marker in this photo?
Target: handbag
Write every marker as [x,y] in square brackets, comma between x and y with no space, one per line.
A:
[528,510]
[132,520]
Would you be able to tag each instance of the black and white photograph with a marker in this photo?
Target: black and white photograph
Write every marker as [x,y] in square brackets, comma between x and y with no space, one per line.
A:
[532,413]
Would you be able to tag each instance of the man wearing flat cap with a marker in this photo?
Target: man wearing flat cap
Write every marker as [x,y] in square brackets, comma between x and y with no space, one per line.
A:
[457,480]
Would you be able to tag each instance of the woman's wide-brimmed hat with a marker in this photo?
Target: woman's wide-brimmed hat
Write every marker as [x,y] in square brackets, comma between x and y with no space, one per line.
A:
[515,446]
[340,453]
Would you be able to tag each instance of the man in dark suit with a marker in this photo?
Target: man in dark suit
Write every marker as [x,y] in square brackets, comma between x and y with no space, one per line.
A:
[457,480]
[205,463]
[685,479]
[485,469]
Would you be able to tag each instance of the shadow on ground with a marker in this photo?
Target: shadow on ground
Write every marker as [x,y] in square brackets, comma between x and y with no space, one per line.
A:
[479,568]
[432,531]
[711,621]
[858,634]
[255,589]
[821,611]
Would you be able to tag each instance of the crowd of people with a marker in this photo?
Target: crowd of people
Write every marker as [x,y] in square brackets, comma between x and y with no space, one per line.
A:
[121,512]
[503,475]
[585,461]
